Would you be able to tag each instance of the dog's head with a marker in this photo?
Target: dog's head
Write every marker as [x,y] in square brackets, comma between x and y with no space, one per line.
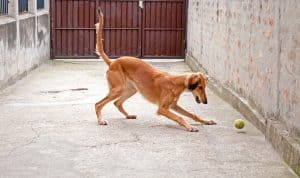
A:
[196,83]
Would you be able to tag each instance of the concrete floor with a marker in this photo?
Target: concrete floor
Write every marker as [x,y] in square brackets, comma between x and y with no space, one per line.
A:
[49,130]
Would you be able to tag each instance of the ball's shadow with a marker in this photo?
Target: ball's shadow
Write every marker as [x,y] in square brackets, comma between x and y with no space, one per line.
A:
[241,132]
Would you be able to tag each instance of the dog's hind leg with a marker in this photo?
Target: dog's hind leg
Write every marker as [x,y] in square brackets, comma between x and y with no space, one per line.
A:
[113,94]
[116,87]
[127,93]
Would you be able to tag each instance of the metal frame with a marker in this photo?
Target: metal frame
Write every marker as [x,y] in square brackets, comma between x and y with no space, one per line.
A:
[3,7]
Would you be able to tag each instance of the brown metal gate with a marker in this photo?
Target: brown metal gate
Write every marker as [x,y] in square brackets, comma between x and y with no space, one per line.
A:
[164,28]
[151,28]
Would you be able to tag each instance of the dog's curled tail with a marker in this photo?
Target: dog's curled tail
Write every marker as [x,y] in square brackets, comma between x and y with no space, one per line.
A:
[99,44]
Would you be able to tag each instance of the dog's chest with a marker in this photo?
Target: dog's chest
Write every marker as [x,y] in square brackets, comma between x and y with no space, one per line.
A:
[148,93]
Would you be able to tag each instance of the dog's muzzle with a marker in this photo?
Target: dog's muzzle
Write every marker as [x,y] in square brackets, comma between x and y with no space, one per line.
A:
[198,100]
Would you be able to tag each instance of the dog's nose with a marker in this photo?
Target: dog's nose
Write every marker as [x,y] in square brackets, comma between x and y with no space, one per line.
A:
[205,102]
[197,99]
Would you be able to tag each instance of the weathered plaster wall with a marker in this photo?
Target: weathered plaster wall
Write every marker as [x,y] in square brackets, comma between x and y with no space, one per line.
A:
[24,44]
[289,62]
[43,36]
[253,48]
[8,50]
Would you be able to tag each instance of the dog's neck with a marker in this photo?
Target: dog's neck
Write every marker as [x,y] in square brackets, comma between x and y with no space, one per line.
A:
[183,81]
[186,81]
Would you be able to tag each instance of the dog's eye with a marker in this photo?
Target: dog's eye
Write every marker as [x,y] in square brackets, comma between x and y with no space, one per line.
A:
[200,87]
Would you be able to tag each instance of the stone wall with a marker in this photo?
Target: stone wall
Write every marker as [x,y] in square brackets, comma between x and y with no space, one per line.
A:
[24,42]
[252,48]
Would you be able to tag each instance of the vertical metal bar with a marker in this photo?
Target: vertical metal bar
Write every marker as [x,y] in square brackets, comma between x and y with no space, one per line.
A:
[184,24]
[1,9]
[51,29]
[141,32]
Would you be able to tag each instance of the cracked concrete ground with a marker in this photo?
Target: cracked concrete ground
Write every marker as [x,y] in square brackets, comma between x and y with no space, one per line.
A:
[48,128]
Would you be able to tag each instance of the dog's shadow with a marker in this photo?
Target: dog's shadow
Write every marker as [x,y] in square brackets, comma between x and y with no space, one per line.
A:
[177,127]
[198,125]
[169,126]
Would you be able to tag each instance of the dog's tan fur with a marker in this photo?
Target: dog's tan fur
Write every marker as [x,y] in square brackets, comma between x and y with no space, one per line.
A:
[127,75]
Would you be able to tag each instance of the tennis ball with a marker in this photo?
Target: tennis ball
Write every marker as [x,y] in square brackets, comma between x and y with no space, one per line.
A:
[239,123]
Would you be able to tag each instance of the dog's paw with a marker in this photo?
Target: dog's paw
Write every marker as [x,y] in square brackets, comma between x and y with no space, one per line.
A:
[131,117]
[193,129]
[102,122]
[211,122]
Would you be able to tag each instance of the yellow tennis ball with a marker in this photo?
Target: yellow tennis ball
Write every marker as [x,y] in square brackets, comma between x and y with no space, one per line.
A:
[239,123]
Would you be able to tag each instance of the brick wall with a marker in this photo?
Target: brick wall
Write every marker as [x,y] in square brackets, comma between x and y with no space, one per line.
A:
[252,47]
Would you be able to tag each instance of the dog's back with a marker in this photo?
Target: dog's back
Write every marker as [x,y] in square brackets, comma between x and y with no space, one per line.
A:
[142,75]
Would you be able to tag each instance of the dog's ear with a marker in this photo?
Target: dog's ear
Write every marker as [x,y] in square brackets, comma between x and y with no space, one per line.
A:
[193,86]
[193,82]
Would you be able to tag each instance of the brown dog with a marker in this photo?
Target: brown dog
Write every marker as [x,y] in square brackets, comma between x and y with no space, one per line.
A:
[127,75]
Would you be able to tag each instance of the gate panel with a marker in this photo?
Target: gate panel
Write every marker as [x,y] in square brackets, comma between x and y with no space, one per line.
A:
[73,31]
[164,24]
[72,28]
[122,27]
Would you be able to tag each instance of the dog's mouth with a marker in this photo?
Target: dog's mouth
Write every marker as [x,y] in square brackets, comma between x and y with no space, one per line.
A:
[197,99]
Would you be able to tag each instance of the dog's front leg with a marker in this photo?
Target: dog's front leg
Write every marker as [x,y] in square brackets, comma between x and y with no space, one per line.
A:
[196,118]
[165,112]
